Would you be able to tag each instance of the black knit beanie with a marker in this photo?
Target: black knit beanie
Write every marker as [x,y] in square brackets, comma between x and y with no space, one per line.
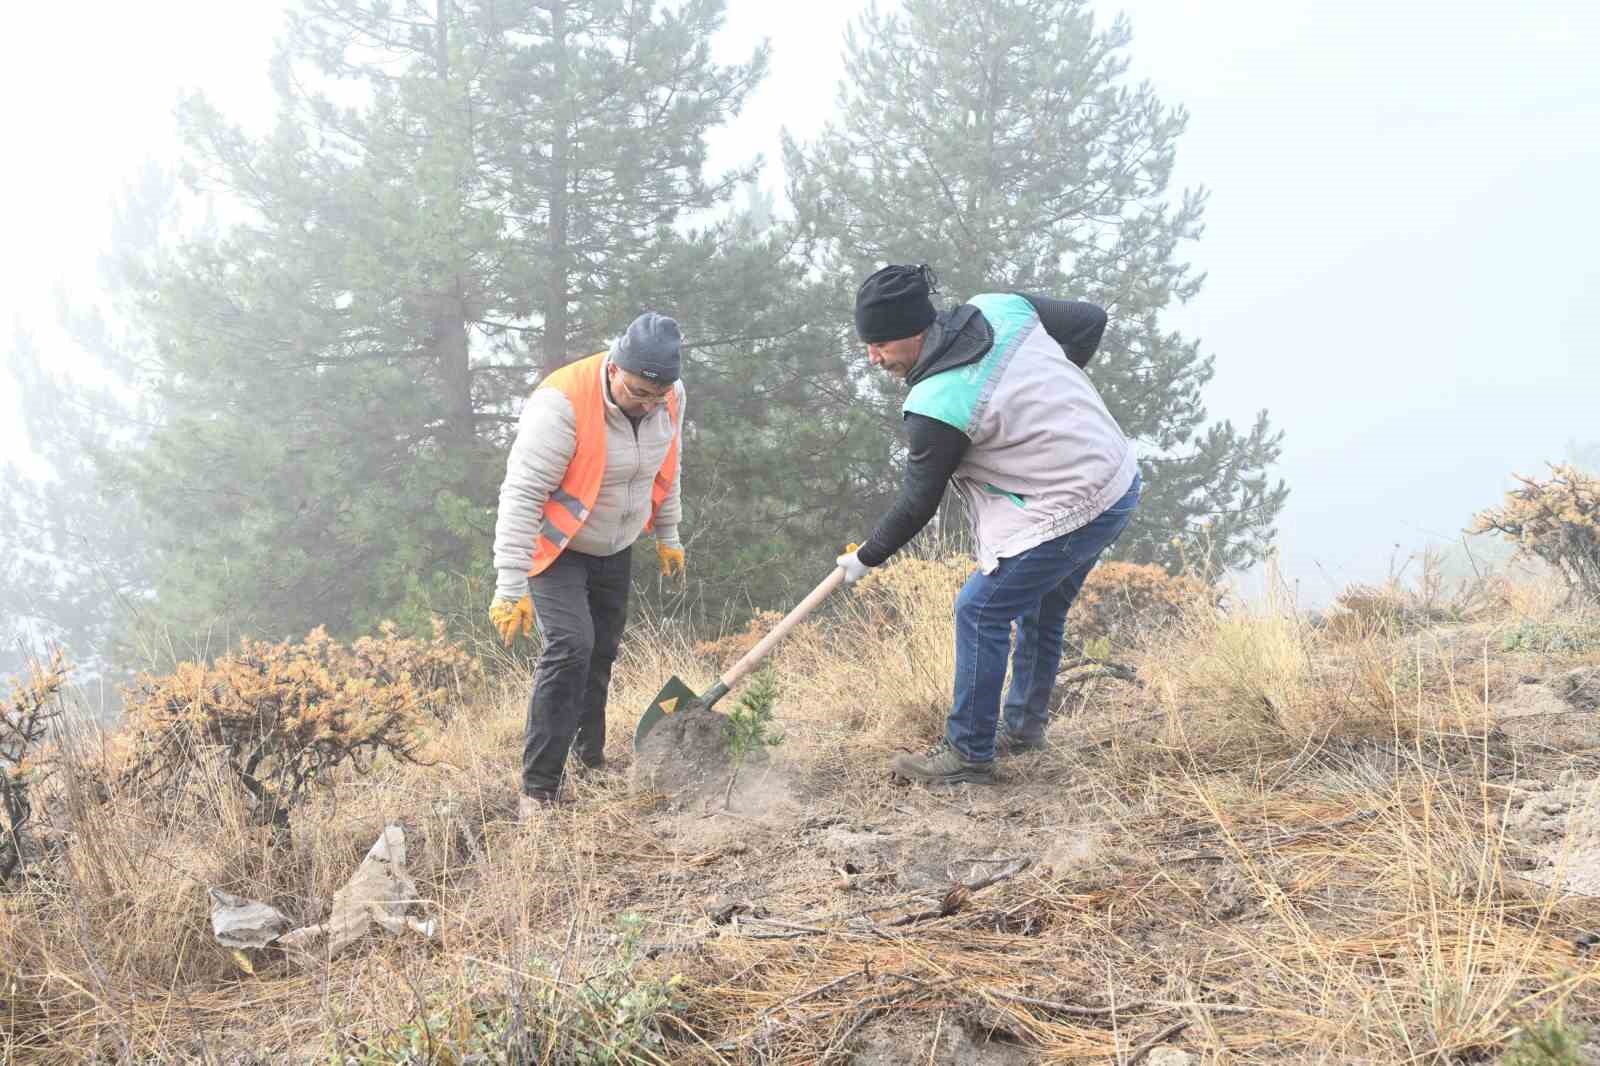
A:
[894,303]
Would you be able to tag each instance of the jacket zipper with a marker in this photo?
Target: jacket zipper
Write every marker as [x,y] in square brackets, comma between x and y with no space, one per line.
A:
[633,476]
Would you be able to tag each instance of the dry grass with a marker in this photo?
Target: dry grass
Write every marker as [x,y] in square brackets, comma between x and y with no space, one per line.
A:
[1286,846]
[878,673]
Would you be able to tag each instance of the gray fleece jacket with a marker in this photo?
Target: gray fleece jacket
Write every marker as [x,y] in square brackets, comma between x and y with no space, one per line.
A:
[547,439]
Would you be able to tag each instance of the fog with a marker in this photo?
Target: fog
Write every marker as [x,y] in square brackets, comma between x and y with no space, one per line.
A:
[1398,250]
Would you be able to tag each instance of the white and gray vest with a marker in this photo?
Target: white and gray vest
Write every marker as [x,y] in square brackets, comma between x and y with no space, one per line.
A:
[1046,458]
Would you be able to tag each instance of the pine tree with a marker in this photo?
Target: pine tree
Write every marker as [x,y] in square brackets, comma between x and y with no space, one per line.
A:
[74,549]
[998,141]
[455,198]
[71,568]
[778,439]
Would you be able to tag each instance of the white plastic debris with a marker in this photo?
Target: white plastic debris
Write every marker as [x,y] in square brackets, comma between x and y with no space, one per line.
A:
[237,922]
[379,894]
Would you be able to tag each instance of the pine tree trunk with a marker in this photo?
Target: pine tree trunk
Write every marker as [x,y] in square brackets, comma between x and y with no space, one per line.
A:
[455,370]
[555,303]
[450,321]
[442,58]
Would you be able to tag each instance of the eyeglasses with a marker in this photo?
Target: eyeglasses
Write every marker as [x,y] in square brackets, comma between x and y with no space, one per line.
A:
[637,394]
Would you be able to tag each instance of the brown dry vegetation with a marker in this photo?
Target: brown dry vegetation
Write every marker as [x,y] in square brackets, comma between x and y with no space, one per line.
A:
[1557,520]
[284,716]
[1287,842]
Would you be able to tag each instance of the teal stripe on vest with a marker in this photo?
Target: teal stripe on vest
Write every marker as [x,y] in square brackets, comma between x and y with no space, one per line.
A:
[1009,314]
[958,397]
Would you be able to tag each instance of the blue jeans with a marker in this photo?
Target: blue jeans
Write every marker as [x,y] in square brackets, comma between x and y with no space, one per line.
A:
[1034,590]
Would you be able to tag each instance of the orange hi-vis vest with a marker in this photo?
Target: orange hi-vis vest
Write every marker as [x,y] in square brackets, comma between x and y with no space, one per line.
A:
[570,503]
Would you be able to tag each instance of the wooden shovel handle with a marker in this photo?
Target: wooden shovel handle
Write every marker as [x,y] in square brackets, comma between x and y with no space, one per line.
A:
[737,672]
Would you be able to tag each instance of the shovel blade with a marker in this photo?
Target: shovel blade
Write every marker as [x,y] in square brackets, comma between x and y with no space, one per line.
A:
[674,696]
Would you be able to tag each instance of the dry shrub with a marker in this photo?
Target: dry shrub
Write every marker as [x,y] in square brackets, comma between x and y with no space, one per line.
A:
[1262,672]
[283,716]
[111,958]
[1122,600]
[26,719]
[113,952]
[1387,607]
[726,650]
[443,674]
[1351,626]
[1402,604]
[1535,593]
[1557,520]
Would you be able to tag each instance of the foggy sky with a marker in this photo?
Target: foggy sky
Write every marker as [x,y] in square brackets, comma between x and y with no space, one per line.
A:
[1400,243]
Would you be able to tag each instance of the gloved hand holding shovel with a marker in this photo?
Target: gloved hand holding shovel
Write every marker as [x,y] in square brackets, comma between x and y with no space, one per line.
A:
[676,696]
[854,569]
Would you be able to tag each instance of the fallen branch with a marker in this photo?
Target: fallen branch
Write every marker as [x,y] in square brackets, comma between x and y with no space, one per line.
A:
[819,990]
[958,896]
[655,951]
[952,902]
[793,931]
[1267,842]
[1066,1008]
[1156,1041]
[1015,868]
[837,1045]
[872,1007]
[1359,816]
[1099,668]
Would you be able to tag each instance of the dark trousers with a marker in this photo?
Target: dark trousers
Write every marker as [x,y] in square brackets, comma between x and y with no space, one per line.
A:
[581,602]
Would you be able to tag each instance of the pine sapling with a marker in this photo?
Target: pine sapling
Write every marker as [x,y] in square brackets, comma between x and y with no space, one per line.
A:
[750,724]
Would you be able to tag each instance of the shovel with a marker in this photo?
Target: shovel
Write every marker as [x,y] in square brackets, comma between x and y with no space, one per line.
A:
[676,696]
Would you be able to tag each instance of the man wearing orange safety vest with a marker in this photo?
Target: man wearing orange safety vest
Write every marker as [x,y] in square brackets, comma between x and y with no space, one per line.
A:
[595,464]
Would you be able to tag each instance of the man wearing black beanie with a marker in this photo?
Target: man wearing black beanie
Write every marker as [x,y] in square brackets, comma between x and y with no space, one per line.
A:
[1000,408]
[894,303]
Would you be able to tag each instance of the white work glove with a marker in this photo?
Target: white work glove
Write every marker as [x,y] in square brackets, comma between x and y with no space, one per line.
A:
[854,568]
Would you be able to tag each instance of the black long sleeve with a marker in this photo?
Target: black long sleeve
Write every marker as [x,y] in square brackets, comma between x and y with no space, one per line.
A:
[1073,324]
[936,450]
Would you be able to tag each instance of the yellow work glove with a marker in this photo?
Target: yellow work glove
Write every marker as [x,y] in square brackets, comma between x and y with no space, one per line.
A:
[508,617]
[671,559]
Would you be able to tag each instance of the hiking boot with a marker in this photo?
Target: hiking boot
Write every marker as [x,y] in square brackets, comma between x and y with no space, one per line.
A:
[537,801]
[1007,745]
[943,765]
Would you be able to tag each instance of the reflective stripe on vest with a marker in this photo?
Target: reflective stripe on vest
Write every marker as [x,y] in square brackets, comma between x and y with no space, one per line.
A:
[571,503]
